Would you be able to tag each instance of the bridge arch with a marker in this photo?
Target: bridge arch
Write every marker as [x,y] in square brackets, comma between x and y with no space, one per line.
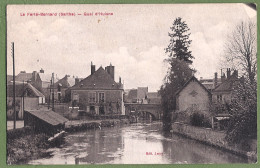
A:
[152,109]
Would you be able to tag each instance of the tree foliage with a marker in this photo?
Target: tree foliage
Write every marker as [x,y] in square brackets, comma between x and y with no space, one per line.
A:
[179,41]
[243,123]
[241,53]
[179,72]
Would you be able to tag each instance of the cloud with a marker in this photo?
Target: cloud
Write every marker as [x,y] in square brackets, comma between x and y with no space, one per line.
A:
[133,39]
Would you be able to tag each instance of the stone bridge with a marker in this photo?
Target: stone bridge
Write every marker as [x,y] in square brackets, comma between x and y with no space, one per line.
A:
[143,109]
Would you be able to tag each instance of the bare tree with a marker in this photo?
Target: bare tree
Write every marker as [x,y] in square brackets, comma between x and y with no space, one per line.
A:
[241,50]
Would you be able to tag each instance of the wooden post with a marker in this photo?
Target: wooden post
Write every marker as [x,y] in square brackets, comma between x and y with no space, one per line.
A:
[53,92]
[23,98]
[14,86]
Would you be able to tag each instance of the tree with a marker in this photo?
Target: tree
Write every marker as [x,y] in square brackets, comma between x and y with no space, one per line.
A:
[241,53]
[243,123]
[179,42]
[241,50]
[179,72]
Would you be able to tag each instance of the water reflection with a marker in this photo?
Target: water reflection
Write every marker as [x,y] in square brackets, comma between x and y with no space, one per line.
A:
[140,143]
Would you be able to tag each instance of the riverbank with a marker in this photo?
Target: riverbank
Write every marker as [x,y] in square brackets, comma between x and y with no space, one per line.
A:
[20,150]
[23,144]
[216,139]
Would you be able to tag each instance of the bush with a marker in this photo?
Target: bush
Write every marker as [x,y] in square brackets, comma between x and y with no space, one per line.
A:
[199,120]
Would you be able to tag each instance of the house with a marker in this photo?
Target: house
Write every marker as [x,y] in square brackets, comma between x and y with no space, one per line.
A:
[212,83]
[193,97]
[32,78]
[39,80]
[131,96]
[222,93]
[44,121]
[27,97]
[142,96]
[62,85]
[98,93]
[153,98]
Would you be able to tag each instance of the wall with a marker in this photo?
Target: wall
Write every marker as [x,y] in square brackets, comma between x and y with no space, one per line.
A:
[111,96]
[214,138]
[186,99]
[226,97]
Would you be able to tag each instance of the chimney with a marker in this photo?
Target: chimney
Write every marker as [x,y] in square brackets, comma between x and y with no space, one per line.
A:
[235,73]
[120,80]
[216,80]
[93,68]
[223,77]
[76,81]
[41,71]
[23,72]
[110,70]
[34,76]
[228,73]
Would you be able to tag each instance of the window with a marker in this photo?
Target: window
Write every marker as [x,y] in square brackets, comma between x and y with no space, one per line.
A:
[101,97]
[219,98]
[59,96]
[76,97]
[92,97]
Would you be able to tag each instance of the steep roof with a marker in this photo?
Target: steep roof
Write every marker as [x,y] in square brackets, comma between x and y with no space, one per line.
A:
[193,78]
[20,89]
[23,77]
[48,116]
[132,94]
[62,82]
[100,79]
[227,85]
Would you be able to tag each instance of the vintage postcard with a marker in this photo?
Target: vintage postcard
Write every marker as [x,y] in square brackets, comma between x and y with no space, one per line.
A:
[131,84]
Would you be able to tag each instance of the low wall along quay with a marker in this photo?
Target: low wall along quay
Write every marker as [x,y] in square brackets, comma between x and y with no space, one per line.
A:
[213,138]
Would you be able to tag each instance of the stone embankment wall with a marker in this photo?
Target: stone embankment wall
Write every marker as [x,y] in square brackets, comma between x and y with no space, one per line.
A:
[213,138]
[80,125]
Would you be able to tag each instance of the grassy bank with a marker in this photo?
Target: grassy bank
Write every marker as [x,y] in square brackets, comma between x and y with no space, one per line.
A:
[21,149]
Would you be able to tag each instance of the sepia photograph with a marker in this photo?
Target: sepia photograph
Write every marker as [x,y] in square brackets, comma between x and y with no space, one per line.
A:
[131,84]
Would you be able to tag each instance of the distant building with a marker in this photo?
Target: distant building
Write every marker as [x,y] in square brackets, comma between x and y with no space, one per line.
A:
[39,80]
[62,85]
[27,97]
[222,93]
[99,93]
[193,96]
[153,98]
[142,96]
[131,96]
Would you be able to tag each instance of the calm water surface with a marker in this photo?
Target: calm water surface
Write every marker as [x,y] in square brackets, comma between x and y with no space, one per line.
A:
[141,143]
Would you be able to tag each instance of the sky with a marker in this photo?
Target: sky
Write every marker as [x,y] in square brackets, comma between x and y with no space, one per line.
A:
[133,39]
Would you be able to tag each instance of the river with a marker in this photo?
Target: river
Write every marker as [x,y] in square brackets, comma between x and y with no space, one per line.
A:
[140,143]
